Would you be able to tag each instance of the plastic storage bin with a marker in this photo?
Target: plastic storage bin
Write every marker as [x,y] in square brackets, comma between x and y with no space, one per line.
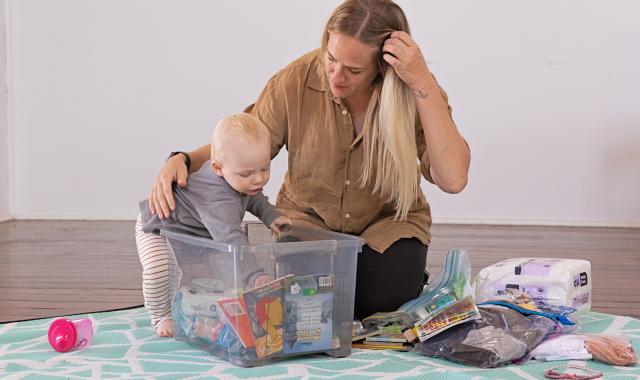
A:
[305,307]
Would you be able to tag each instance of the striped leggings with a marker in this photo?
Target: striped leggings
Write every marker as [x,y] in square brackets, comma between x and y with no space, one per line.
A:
[154,254]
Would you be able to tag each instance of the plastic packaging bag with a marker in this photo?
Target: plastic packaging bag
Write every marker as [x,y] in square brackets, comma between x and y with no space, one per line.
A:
[556,282]
[451,285]
[562,347]
[611,349]
[500,337]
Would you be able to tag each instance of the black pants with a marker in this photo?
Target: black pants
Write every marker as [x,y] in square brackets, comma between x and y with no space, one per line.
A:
[386,281]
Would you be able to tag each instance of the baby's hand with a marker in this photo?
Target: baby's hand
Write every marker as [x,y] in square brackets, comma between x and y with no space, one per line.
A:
[262,279]
[280,224]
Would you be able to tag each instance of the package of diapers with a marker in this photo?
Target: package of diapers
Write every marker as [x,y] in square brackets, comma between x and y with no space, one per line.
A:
[557,282]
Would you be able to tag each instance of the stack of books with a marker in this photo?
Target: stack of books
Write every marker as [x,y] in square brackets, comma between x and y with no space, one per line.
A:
[382,338]
[397,331]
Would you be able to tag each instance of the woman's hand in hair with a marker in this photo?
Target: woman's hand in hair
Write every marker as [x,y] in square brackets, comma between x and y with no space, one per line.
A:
[404,55]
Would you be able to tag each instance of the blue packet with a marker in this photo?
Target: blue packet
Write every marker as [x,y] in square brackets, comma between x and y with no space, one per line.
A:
[556,317]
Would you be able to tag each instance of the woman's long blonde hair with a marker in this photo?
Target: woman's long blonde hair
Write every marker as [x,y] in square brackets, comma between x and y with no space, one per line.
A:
[389,140]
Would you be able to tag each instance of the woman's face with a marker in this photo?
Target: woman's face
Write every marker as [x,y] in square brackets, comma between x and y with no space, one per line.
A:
[350,65]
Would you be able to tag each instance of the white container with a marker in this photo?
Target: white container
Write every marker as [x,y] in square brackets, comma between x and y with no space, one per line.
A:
[558,282]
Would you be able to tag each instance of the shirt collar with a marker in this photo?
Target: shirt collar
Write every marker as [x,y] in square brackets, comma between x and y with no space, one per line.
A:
[317,78]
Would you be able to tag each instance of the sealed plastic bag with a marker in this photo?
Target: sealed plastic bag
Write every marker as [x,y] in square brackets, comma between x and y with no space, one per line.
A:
[562,347]
[611,349]
[451,285]
[500,337]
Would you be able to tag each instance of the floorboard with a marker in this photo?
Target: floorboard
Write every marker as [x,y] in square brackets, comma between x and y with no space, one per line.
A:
[51,268]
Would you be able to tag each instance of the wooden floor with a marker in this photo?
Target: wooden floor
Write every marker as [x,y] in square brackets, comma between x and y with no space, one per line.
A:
[51,268]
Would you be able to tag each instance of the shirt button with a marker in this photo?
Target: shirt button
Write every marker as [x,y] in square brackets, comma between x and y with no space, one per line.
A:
[344,111]
[347,215]
[347,183]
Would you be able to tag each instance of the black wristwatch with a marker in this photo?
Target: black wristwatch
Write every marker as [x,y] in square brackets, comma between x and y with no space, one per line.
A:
[187,159]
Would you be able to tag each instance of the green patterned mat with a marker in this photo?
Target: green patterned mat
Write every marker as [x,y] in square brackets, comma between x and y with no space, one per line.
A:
[126,347]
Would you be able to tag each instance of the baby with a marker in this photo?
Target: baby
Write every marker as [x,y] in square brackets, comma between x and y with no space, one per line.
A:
[212,206]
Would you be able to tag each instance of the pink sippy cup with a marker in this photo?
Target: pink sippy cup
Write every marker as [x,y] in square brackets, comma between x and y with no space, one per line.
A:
[67,334]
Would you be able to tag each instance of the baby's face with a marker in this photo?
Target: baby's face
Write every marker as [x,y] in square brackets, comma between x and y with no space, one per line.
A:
[247,168]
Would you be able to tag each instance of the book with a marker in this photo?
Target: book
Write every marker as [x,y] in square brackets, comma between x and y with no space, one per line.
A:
[235,312]
[389,338]
[365,334]
[380,319]
[309,313]
[383,346]
[265,307]
[460,312]
[387,344]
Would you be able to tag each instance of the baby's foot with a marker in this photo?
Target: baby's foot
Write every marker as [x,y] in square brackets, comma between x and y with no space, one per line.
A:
[165,328]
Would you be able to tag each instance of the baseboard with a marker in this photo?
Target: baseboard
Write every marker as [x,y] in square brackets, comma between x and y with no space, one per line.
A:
[5,217]
[539,222]
[123,216]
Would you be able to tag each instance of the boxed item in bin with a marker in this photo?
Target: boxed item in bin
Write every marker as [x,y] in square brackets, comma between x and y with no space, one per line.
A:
[555,282]
[306,305]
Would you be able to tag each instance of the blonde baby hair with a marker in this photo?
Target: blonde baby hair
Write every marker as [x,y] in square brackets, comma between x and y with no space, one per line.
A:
[239,128]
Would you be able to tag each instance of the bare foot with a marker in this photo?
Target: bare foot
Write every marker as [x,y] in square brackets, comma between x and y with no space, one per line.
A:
[165,328]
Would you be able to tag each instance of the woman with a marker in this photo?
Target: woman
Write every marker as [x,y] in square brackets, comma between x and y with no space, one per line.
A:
[356,116]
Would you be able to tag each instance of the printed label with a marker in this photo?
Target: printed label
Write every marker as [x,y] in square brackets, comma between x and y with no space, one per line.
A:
[583,279]
[534,291]
[324,281]
[580,300]
[534,268]
[234,309]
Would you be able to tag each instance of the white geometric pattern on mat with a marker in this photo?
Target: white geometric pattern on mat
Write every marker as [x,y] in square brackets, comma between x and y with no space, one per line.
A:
[125,346]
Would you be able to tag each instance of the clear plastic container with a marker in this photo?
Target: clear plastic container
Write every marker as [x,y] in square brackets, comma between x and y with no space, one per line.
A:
[305,307]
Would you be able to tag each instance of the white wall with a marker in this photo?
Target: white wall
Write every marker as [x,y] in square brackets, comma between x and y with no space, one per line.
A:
[545,93]
[5,212]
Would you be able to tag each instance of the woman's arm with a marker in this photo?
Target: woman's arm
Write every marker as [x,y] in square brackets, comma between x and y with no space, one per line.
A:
[448,152]
[161,199]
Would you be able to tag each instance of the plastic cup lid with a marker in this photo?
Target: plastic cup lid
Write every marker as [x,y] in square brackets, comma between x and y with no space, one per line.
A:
[62,335]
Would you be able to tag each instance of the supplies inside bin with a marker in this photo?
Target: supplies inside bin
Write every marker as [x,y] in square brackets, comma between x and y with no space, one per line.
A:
[292,314]
[307,307]
[555,282]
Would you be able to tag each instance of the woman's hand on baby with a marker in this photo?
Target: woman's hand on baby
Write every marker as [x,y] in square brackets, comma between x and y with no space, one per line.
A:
[280,224]
[405,56]
[161,199]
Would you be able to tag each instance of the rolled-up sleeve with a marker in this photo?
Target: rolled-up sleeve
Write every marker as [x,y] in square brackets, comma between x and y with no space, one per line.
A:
[270,108]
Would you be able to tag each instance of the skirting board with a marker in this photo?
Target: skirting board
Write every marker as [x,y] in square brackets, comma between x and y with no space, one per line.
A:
[539,222]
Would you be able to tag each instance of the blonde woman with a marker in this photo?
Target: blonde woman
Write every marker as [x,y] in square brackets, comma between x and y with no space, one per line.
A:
[361,118]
